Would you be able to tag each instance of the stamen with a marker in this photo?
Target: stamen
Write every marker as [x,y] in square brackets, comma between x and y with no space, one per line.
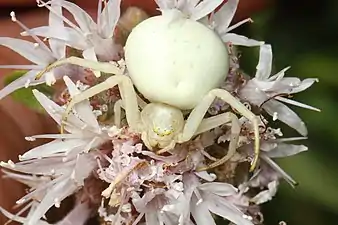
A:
[26,29]
[239,24]
[68,22]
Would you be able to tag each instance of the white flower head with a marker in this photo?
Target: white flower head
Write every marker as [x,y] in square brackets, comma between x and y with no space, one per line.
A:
[219,20]
[95,39]
[266,90]
[39,54]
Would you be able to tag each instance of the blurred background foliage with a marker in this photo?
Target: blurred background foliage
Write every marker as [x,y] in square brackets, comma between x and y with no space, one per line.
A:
[304,35]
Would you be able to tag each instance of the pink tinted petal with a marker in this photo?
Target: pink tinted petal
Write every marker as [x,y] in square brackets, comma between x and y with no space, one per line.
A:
[265,63]
[58,47]
[90,54]
[83,108]
[305,84]
[267,195]
[200,213]
[299,104]
[279,75]
[53,147]
[28,50]
[221,189]
[224,15]
[284,150]
[286,115]
[21,83]
[67,35]
[204,8]
[152,218]
[55,111]
[165,4]
[85,164]
[82,18]
[236,39]
[221,207]
[279,170]
[109,18]
[58,193]
[78,215]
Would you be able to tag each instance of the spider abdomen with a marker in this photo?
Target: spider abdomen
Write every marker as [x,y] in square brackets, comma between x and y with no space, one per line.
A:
[175,60]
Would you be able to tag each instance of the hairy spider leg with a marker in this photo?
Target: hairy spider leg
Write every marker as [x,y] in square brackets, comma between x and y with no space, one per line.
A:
[117,113]
[218,120]
[196,116]
[105,67]
[127,92]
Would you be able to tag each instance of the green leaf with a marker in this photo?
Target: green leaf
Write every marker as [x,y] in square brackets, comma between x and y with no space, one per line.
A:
[25,95]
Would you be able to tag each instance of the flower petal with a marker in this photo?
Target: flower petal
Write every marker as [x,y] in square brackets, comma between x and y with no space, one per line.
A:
[58,47]
[82,18]
[78,215]
[21,82]
[220,206]
[55,195]
[278,170]
[304,85]
[28,50]
[90,54]
[55,111]
[284,150]
[165,4]
[236,39]
[19,219]
[286,115]
[266,195]
[109,18]
[204,8]
[83,108]
[68,35]
[265,63]
[218,188]
[200,213]
[224,15]
[53,147]
[299,104]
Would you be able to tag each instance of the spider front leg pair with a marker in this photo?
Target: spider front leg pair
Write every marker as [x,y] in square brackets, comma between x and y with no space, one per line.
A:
[196,124]
[128,96]
[161,124]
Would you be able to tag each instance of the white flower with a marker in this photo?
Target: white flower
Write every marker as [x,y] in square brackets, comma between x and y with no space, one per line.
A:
[77,216]
[84,130]
[95,39]
[219,21]
[265,91]
[66,159]
[68,177]
[278,148]
[200,200]
[39,54]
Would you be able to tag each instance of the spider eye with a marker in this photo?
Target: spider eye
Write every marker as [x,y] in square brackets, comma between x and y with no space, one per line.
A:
[163,132]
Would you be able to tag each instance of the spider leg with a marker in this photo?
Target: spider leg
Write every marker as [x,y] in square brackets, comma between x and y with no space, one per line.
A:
[127,93]
[196,116]
[117,113]
[105,67]
[218,120]
[119,105]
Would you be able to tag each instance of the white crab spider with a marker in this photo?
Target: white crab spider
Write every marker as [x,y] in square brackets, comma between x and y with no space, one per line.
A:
[177,64]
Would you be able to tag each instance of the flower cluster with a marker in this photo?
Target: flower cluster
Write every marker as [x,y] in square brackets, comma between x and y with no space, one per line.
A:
[107,168]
